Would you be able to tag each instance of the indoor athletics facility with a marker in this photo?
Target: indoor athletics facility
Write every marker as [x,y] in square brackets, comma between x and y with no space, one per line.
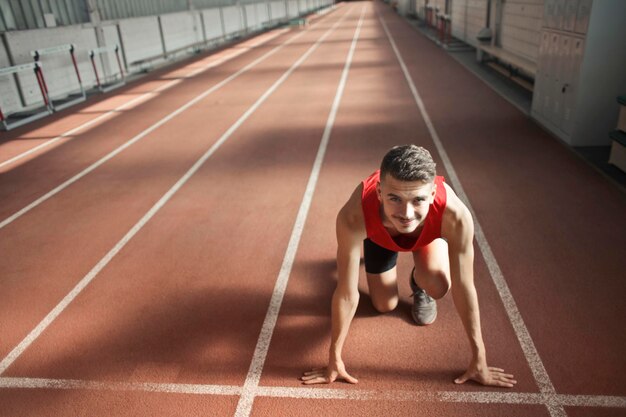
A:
[192,220]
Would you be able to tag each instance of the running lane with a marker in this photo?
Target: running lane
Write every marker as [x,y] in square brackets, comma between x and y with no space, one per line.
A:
[185,299]
[387,353]
[48,250]
[554,224]
[348,408]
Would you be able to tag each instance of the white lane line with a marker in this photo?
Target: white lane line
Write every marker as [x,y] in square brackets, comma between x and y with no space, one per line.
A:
[481,397]
[144,133]
[140,98]
[528,347]
[244,407]
[36,332]
[476,397]
[401,395]
[70,384]
[591,401]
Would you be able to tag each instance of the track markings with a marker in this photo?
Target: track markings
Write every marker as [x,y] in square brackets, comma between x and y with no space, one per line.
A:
[244,407]
[52,315]
[144,133]
[75,384]
[475,397]
[72,132]
[521,331]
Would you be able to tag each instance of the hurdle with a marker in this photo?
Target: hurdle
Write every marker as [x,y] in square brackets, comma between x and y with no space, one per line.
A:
[24,117]
[102,86]
[65,101]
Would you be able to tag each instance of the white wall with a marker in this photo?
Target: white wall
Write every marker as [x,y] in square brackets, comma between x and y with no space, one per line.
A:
[468,18]
[252,22]
[304,7]
[262,12]
[277,10]
[292,8]
[212,19]
[521,27]
[233,20]
[181,30]
[9,100]
[141,38]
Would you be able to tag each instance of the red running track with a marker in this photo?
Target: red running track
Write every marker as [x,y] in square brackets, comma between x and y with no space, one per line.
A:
[110,308]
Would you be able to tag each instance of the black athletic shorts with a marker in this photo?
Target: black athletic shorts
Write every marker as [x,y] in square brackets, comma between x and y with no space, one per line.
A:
[378,259]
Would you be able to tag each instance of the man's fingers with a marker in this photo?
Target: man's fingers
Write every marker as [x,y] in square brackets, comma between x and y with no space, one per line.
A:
[500,372]
[309,377]
[500,376]
[317,380]
[507,378]
[498,383]
[315,372]
[349,378]
[500,379]
[495,377]
[462,379]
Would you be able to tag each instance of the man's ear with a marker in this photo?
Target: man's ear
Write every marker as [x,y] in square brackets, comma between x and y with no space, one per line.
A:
[433,193]
[379,192]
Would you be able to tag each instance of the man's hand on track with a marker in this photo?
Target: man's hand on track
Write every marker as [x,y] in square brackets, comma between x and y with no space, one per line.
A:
[327,375]
[487,375]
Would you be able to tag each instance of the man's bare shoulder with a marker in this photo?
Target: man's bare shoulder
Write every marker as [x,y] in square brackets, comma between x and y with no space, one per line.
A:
[351,214]
[457,224]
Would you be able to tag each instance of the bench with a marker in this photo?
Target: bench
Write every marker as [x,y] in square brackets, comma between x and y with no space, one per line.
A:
[510,64]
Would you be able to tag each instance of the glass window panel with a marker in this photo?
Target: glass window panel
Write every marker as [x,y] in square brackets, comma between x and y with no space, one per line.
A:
[114,12]
[119,10]
[102,8]
[33,16]
[6,16]
[82,10]
[17,14]
[62,16]
[127,11]
[45,6]
[27,15]
[54,7]
[72,11]
[110,9]
[38,9]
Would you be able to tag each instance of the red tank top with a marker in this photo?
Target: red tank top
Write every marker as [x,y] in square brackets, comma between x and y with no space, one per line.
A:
[377,233]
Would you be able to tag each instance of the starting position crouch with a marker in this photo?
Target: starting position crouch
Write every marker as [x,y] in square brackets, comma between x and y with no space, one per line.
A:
[405,207]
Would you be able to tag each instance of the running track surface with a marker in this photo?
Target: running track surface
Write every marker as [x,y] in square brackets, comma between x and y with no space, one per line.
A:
[140,252]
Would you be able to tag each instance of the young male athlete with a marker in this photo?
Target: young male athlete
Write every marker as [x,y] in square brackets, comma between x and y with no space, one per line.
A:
[405,207]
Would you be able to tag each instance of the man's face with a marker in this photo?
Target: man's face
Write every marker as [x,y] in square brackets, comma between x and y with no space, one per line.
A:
[405,203]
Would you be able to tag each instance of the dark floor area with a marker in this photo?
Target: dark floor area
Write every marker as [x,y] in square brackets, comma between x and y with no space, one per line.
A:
[598,156]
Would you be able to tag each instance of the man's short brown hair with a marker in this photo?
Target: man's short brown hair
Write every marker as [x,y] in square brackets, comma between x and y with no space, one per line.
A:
[408,163]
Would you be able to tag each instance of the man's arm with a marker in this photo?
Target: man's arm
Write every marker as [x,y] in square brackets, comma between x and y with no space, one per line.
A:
[350,234]
[458,229]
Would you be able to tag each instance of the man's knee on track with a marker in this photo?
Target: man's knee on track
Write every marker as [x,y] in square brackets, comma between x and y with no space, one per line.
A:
[437,285]
[385,306]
